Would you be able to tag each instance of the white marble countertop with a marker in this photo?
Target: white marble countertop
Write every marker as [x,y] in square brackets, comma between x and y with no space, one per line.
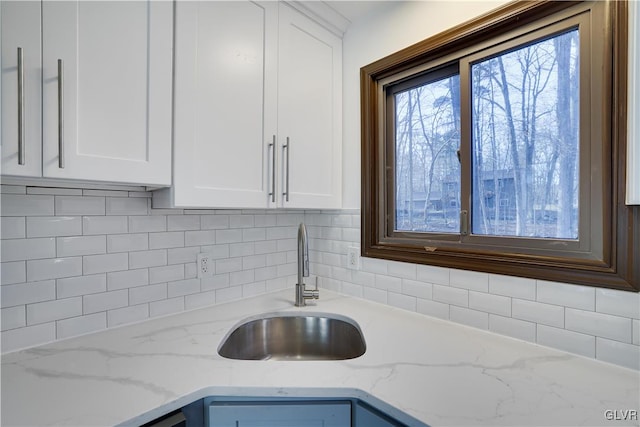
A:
[436,371]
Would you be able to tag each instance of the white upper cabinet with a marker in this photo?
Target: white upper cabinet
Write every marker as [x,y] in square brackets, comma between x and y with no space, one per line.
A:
[21,121]
[225,87]
[250,76]
[310,112]
[106,91]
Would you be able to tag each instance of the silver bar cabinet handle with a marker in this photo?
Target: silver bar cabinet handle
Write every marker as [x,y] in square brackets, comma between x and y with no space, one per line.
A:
[286,185]
[272,148]
[60,114]
[20,106]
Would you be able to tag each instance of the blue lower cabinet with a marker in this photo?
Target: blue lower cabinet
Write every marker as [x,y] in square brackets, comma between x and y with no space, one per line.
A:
[367,416]
[280,414]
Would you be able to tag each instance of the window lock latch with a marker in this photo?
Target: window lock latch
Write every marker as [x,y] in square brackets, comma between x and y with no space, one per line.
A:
[464,223]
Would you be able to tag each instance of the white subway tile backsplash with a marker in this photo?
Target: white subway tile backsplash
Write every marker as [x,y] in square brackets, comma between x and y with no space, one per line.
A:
[48,311]
[402,269]
[13,272]
[545,314]
[26,249]
[449,295]
[253,234]
[149,293]
[489,303]
[405,302]
[228,265]
[199,238]
[228,236]
[149,269]
[373,294]
[29,336]
[431,274]
[144,259]
[182,255]
[252,289]
[92,264]
[183,287]
[13,317]
[512,327]
[618,303]
[27,293]
[14,228]
[202,299]
[126,206]
[104,225]
[26,205]
[241,249]
[216,251]
[417,289]
[241,221]
[48,226]
[471,280]
[241,277]
[516,287]
[183,222]
[81,285]
[127,279]
[476,319]
[218,281]
[133,313]
[147,224]
[170,239]
[54,268]
[228,294]
[190,270]
[433,308]
[619,353]
[105,301]
[127,242]
[168,306]
[264,247]
[388,283]
[214,222]
[168,273]
[254,261]
[79,205]
[581,297]
[81,325]
[81,245]
[347,288]
[600,325]
[573,342]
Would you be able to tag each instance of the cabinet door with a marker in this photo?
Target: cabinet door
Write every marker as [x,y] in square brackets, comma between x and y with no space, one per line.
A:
[310,112]
[278,414]
[225,93]
[107,68]
[21,120]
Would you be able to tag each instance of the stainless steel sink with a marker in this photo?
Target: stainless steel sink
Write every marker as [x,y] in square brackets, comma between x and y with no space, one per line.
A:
[294,336]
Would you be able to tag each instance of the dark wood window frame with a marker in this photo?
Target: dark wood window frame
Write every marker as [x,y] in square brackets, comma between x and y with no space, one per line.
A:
[615,262]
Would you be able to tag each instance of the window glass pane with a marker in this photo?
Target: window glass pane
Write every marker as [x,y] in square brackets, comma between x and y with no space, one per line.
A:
[525,111]
[427,181]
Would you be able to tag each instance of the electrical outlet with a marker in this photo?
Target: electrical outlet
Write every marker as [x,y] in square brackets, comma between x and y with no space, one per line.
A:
[353,258]
[205,265]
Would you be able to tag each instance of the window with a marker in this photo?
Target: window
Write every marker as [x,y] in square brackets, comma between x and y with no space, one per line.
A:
[498,146]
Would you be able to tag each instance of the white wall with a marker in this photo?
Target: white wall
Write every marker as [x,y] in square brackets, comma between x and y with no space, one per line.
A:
[394,26]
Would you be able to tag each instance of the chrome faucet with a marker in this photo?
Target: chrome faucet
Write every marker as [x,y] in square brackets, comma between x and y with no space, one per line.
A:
[302,294]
